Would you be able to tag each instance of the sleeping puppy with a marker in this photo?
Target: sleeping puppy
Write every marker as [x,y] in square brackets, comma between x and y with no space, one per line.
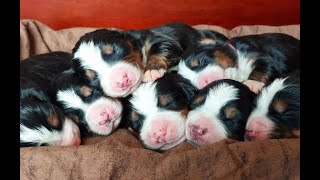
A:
[219,111]
[109,59]
[277,111]
[95,113]
[163,46]
[41,122]
[43,68]
[118,61]
[255,60]
[157,111]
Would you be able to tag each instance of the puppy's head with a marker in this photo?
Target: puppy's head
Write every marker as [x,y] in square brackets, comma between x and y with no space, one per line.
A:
[42,123]
[109,59]
[157,111]
[93,110]
[276,113]
[207,63]
[219,111]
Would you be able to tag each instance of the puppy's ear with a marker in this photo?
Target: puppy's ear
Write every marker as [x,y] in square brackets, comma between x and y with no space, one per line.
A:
[137,38]
[33,93]
[188,88]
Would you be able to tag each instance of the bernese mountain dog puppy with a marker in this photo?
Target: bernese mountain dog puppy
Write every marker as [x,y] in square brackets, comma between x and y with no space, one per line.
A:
[41,122]
[255,60]
[277,111]
[95,113]
[118,61]
[219,111]
[156,112]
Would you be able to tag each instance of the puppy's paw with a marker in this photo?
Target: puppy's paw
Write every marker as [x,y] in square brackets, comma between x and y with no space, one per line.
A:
[254,86]
[154,74]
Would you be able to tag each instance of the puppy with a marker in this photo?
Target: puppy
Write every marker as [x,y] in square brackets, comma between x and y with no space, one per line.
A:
[277,111]
[164,45]
[43,68]
[41,122]
[219,111]
[118,61]
[95,113]
[157,111]
[255,60]
[109,59]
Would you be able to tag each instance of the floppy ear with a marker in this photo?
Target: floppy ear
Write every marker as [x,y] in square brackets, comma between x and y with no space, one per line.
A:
[188,88]
[137,37]
[33,93]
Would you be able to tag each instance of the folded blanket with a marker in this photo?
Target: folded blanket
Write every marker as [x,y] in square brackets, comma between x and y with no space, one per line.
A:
[122,156]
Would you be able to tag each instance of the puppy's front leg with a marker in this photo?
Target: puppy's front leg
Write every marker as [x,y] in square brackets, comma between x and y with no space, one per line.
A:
[162,55]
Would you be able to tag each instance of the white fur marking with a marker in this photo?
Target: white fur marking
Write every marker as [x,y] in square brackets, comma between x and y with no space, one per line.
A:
[265,97]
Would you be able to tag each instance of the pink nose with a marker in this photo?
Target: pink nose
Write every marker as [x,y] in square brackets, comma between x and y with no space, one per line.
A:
[197,131]
[251,135]
[105,118]
[205,83]
[160,136]
[75,141]
[124,82]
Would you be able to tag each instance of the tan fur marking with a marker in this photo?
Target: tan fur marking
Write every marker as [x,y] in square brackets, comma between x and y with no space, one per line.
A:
[134,116]
[184,113]
[259,76]
[280,106]
[230,112]
[198,100]
[53,120]
[194,63]
[135,59]
[207,41]
[156,62]
[90,74]
[163,100]
[223,60]
[107,49]
[147,47]
[86,91]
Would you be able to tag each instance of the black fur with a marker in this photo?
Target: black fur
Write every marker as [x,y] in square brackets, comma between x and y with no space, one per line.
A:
[36,107]
[167,42]
[172,39]
[275,55]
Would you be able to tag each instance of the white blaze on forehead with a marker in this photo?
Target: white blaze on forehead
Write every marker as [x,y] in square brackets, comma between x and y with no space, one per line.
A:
[144,99]
[244,69]
[187,73]
[266,96]
[71,100]
[193,76]
[217,97]
[90,58]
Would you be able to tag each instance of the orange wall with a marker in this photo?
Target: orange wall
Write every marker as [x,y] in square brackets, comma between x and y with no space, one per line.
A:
[137,14]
